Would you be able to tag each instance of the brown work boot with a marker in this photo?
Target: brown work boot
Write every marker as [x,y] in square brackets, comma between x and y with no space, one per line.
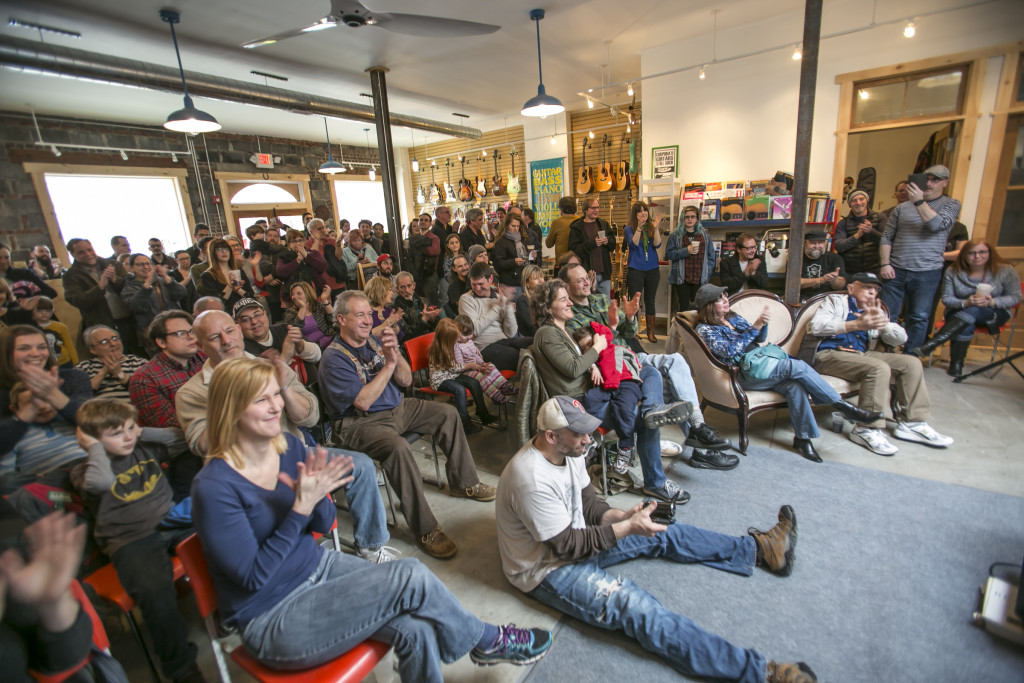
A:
[789,673]
[479,491]
[436,544]
[776,548]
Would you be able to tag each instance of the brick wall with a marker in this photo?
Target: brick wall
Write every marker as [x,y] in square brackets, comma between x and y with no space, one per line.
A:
[21,217]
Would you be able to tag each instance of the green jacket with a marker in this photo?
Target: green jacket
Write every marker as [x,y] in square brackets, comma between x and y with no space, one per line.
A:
[596,310]
[559,363]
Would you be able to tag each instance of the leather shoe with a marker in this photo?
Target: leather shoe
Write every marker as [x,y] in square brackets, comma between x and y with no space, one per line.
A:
[713,459]
[436,544]
[852,412]
[805,448]
[705,436]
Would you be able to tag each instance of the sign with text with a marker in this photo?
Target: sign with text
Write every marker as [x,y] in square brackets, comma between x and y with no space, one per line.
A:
[547,183]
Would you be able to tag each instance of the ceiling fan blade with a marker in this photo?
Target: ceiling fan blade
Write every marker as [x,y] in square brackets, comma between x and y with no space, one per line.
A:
[431,27]
[325,23]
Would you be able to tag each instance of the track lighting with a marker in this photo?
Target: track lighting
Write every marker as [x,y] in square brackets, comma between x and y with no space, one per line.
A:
[629,90]
[56,152]
[796,54]
[553,141]
[373,173]
[591,134]
[700,74]
[863,94]
[124,156]
[174,158]
[629,128]
[910,30]
[590,103]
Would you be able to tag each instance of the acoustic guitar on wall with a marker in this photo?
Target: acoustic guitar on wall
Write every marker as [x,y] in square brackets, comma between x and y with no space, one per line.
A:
[585,180]
[621,172]
[604,173]
[465,189]
[497,189]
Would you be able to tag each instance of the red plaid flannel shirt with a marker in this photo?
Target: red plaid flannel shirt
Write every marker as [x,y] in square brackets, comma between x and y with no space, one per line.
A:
[154,385]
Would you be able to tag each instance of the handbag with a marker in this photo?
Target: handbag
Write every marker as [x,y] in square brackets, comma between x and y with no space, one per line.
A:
[760,362]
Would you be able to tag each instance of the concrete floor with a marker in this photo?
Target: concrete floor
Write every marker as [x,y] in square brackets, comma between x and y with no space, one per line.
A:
[983,415]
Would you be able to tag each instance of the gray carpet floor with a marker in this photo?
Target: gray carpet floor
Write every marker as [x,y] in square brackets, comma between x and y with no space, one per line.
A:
[886,578]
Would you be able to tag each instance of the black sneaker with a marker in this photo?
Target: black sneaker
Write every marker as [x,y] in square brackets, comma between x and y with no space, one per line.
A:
[667,414]
[713,459]
[705,436]
[514,646]
[470,427]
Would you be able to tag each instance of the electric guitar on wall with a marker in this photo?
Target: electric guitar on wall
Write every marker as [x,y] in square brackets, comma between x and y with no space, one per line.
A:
[465,189]
[421,198]
[513,188]
[480,190]
[585,180]
[497,189]
[449,193]
[621,173]
[435,191]
[634,165]
[604,174]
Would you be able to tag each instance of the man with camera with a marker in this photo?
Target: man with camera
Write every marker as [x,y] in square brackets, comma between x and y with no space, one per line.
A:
[746,268]
[911,250]
[556,539]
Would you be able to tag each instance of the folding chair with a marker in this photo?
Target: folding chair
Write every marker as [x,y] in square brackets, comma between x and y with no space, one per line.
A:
[352,666]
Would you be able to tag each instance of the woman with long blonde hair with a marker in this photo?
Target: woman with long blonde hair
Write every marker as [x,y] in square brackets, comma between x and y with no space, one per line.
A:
[295,604]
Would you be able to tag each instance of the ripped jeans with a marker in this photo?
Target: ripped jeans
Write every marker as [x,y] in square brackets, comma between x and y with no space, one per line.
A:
[586,591]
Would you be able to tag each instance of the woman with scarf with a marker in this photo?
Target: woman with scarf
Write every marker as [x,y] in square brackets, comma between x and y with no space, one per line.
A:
[643,239]
[693,258]
[513,250]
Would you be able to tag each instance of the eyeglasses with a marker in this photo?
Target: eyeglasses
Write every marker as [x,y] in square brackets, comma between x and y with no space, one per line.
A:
[182,334]
[256,315]
[978,253]
[747,248]
[108,341]
[222,249]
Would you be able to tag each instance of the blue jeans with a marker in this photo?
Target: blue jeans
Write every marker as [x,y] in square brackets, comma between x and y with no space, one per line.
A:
[977,315]
[648,441]
[795,379]
[457,388]
[621,403]
[369,519]
[348,600]
[919,288]
[676,375]
[604,285]
[586,591]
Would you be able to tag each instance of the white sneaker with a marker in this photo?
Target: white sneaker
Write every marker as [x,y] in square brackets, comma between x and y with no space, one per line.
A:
[380,555]
[873,440]
[921,432]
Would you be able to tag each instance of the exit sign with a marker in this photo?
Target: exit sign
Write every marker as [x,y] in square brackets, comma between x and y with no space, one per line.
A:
[262,160]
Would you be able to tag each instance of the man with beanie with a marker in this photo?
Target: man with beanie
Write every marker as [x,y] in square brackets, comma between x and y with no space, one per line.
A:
[858,235]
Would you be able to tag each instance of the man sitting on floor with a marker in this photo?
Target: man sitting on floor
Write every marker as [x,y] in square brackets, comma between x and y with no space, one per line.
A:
[853,324]
[556,538]
[361,380]
[588,308]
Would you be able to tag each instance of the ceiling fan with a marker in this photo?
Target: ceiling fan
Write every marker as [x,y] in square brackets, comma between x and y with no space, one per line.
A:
[351,13]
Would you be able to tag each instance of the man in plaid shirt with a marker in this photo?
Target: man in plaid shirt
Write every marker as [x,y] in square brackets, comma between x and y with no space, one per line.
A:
[154,385]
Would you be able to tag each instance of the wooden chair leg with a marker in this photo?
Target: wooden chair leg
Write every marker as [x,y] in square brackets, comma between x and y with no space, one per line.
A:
[744,441]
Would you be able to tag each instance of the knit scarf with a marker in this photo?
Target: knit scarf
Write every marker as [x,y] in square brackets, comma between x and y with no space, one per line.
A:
[517,237]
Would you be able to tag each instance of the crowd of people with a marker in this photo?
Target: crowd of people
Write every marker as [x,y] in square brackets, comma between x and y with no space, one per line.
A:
[238,393]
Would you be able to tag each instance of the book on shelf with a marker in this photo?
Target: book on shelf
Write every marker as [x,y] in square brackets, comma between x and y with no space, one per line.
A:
[759,188]
[717,244]
[758,208]
[711,210]
[733,209]
[781,208]
[727,247]
[691,195]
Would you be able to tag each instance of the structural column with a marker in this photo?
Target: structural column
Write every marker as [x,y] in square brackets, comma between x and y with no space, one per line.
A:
[386,150]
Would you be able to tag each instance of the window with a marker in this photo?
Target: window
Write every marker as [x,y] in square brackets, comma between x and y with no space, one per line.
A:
[359,199]
[262,193]
[1011,216]
[936,93]
[97,207]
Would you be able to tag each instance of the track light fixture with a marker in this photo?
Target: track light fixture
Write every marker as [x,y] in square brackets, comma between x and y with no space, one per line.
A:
[56,152]
[124,155]
[796,53]
[910,30]
[415,161]
[591,135]
[590,103]
[700,74]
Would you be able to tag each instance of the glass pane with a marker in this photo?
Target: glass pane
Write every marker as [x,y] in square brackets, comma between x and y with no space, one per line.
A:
[263,193]
[1011,231]
[879,103]
[933,94]
[1017,163]
[1020,83]
[360,199]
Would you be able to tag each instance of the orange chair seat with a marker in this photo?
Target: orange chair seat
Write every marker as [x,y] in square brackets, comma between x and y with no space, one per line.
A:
[352,666]
[106,584]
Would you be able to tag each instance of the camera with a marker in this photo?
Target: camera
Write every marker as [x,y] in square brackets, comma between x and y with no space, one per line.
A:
[919,179]
[664,513]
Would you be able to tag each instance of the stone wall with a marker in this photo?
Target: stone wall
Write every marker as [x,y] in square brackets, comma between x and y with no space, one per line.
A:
[21,216]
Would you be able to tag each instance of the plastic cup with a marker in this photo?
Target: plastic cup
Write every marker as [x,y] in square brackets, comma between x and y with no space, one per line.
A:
[838,422]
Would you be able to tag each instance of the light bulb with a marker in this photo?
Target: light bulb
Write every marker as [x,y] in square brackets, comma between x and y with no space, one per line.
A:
[553,141]
[628,128]
[56,152]
[700,74]
[910,30]
[124,156]
[433,162]
[629,89]
[373,174]
[863,94]
[590,103]
[591,134]
[174,157]
[484,153]
[415,166]
[796,53]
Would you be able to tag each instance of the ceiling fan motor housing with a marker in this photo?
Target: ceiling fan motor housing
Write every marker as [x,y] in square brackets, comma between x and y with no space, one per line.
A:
[353,20]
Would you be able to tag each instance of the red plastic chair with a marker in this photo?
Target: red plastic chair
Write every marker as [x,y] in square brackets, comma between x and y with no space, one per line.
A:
[99,638]
[106,584]
[350,667]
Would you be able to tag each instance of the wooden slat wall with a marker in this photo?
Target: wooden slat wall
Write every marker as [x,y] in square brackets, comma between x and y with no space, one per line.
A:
[599,117]
[451,149]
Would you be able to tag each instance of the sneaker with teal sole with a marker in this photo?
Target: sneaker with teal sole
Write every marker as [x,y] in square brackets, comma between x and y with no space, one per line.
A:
[514,646]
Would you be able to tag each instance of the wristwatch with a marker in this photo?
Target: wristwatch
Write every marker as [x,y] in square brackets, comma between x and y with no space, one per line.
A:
[919,202]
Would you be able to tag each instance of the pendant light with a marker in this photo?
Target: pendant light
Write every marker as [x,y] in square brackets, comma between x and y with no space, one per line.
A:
[330,167]
[189,119]
[415,161]
[543,104]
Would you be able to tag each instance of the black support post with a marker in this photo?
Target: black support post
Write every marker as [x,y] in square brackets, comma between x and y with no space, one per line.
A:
[386,150]
[802,164]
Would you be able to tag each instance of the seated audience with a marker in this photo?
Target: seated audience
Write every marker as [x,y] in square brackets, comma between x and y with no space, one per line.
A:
[271,341]
[858,235]
[386,268]
[478,254]
[223,276]
[514,248]
[693,258]
[137,524]
[207,303]
[11,312]
[979,288]
[361,381]
[853,324]
[494,319]
[110,369]
[456,285]
[557,538]
[57,334]
[154,385]
[417,319]
[297,264]
[150,289]
[532,276]
[744,269]
[566,369]
[255,504]
[621,319]
[729,336]
[821,271]
[314,316]
[43,265]
[380,294]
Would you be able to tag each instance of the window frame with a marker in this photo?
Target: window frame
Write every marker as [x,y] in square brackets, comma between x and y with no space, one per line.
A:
[957,112]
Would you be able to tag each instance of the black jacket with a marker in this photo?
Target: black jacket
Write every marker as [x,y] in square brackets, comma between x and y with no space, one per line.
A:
[503,256]
[860,254]
[581,245]
[733,277]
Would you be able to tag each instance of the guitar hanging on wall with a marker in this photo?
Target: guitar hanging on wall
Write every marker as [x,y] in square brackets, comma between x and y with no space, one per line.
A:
[480,189]
[634,165]
[513,188]
[604,174]
[465,189]
[497,189]
[621,173]
[421,197]
[585,180]
[435,191]
[449,193]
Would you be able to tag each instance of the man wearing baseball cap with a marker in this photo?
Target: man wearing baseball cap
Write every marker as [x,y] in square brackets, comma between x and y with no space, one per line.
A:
[261,336]
[911,251]
[556,538]
[852,324]
[821,271]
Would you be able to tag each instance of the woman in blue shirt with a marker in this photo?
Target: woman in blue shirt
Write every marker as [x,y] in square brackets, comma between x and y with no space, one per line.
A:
[295,604]
[643,239]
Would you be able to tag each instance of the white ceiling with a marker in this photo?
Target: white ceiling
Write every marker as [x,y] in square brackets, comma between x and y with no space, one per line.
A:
[487,77]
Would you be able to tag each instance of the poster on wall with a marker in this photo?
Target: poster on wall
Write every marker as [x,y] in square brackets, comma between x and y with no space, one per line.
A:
[664,162]
[546,186]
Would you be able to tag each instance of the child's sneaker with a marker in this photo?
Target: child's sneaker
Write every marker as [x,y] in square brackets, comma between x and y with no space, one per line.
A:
[514,646]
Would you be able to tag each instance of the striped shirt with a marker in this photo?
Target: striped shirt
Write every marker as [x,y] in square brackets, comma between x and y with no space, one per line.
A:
[917,245]
[112,387]
[43,448]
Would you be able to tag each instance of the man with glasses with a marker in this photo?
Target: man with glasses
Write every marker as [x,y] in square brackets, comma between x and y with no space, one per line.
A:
[277,340]
[417,319]
[744,270]
[473,233]
[159,258]
[153,386]
[592,240]
[821,271]
[148,290]
[110,369]
[911,252]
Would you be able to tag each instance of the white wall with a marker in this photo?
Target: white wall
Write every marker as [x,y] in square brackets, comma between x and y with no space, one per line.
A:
[740,122]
